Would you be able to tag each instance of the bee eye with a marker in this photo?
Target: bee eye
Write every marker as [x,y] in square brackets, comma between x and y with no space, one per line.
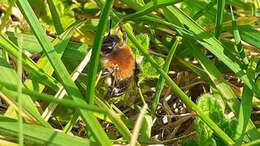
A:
[109,43]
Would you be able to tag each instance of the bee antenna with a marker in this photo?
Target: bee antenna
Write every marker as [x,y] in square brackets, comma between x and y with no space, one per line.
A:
[110,26]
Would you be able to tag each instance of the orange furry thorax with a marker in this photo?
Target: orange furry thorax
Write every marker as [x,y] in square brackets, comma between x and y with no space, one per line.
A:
[120,62]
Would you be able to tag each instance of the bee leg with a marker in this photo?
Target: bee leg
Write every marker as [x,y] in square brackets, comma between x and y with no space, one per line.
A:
[111,89]
[136,74]
[105,73]
[136,79]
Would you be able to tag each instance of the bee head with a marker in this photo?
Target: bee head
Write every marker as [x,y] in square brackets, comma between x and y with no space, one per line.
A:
[109,43]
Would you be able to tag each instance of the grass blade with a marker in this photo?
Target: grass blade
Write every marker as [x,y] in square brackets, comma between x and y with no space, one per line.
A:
[160,83]
[149,7]
[204,10]
[19,96]
[94,60]
[55,17]
[238,44]
[39,135]
[51,99]
[219,17]
[138,125]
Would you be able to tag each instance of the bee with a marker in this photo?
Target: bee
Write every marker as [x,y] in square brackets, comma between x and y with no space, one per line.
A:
[119,63]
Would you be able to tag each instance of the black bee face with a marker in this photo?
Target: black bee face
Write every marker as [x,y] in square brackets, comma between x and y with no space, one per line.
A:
[109,43]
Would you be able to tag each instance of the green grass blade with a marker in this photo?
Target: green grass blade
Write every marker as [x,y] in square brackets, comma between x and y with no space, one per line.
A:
[94,61]
[52,99]
[55,17]
[149,7]
[40,135]
[116,120]
[219,17]
[60,70]
[30,41]
[247,96]
[60,44]
[179,92]
[20,100]
[160,83]
[204,10]
[238,44]
[253,143]
[250,35]
[244,114]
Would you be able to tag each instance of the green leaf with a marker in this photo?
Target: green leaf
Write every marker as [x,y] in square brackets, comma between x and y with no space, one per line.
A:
[145,132]
[214,108]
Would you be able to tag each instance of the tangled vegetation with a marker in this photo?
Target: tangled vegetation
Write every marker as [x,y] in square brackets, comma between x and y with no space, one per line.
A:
[196,79]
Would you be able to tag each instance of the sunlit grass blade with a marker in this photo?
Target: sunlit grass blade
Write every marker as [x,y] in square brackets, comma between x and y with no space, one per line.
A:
[160,83]
[30,41]
[60,44]
[247,96]
[253,143]
[94,61]
[138,125]
[60,70]
[238,43]
[244,114]
[116,120]
[51,99]
[219,17]
[55,17]
[20,98]
[250,35]
[40,135]
[149,7]
[204,10]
